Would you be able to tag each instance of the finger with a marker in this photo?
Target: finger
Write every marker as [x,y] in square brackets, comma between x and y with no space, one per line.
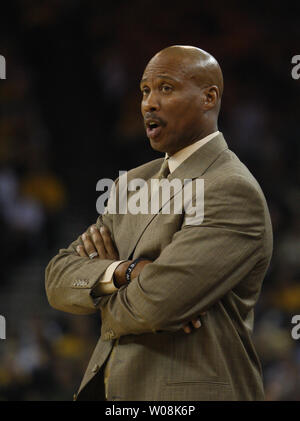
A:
[98,242]
[187,329]
[80,250]
[196,323]
[88,244]
[108,243]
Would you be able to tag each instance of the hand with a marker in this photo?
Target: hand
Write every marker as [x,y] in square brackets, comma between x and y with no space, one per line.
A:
[196,323]
[95,241]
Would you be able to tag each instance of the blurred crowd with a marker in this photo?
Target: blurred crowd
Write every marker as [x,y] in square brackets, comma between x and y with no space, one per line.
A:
[69,116]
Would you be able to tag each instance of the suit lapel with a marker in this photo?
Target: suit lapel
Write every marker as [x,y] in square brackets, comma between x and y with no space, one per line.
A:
[193,167]
[196,164]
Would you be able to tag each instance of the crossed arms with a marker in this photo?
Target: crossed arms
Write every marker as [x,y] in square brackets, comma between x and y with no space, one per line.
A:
[200,265]
[100,242]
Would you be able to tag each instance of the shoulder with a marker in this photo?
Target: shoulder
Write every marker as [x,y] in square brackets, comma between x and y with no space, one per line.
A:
[147,170]
[233,196]
[229,174]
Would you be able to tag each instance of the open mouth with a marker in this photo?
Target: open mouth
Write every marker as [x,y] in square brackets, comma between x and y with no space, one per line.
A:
[152,125]
[153,129]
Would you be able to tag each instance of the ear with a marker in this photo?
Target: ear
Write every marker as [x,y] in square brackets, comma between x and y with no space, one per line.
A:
[211,95]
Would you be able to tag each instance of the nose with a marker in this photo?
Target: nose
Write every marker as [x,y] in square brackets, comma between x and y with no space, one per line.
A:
[150,103]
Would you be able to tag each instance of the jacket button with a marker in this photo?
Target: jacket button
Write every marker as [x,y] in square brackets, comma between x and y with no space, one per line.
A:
[110,334]
[95,368]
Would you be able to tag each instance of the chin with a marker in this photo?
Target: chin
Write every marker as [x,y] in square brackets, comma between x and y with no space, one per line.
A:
[161,146]
[157,146]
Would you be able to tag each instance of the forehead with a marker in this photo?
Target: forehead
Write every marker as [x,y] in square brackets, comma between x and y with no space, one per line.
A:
[170,67]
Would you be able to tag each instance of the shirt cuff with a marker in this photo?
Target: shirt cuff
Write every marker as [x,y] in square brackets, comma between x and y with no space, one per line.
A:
[106,284]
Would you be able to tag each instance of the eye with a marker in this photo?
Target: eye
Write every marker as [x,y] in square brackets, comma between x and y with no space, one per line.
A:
[145,90]
[166,89]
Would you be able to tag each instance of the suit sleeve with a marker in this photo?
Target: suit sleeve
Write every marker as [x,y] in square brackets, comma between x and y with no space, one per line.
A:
[200,265]
[70,279]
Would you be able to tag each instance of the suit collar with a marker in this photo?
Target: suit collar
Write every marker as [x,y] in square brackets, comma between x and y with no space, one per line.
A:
[197,163]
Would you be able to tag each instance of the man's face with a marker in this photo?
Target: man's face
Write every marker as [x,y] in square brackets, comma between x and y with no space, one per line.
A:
[171,105]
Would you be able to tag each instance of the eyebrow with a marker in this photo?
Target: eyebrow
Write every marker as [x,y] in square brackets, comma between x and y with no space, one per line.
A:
[161,77]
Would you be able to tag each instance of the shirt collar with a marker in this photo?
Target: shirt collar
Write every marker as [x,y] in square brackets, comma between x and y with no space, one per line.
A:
[175,160]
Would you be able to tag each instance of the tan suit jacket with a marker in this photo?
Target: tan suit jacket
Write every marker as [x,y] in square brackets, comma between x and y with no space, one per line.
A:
[216,267]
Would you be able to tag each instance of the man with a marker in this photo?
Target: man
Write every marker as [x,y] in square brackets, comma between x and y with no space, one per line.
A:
[202,279]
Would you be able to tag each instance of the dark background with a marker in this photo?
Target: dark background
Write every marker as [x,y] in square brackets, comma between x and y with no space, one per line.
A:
[69,116]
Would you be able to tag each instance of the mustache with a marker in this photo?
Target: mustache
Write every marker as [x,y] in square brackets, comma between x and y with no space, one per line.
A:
[152,116]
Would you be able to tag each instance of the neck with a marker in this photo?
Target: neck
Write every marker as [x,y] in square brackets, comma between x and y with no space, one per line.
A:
[201,135]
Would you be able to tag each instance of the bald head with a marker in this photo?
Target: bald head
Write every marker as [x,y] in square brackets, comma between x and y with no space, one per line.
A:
[181,89]
[194,63]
